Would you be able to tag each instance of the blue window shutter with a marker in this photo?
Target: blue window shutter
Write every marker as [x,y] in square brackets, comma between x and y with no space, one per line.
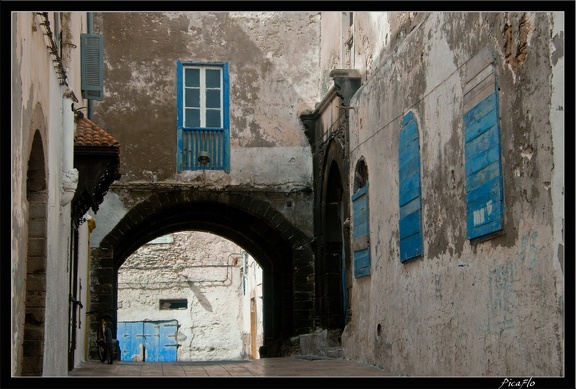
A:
[361,232]
[179,116]
[92,67]
[410,225]
[193,140]
[484,191]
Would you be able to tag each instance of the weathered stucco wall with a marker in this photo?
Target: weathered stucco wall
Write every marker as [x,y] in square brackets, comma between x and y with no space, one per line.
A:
[40,103]
[273,61]
[331,47]
[491,308]
[207,271]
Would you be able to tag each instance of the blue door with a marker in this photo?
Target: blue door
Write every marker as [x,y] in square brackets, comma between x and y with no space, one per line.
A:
[129,341]
[156,338]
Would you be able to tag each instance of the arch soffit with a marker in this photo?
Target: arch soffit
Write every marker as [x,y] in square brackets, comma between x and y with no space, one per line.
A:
[334,154]
[37,125]
[249,222]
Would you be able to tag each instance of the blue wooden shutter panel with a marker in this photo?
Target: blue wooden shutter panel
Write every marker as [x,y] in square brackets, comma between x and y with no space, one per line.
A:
[410,224]
[361,232]
[484,192]
[92,68]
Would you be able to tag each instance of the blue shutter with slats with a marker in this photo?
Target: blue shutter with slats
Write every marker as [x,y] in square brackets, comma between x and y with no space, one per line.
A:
[92,68]
[361,232]
[484,192]
[411,245]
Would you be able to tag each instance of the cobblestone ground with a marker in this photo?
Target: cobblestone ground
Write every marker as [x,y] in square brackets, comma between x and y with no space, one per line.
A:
[266,367]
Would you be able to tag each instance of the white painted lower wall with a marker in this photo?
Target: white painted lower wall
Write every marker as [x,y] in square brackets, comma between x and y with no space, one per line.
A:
[206,271]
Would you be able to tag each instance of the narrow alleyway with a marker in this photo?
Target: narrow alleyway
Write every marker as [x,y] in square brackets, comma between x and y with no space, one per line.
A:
[266,367]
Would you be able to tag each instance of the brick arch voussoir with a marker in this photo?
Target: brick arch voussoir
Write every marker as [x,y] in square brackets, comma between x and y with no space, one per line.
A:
[265,221]
[159,202]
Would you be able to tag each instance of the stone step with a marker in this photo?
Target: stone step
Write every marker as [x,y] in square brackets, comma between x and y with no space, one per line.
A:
[334,352]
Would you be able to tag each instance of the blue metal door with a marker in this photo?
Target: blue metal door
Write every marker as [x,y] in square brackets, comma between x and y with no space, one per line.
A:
[168,347]
[158,340]
[127,340]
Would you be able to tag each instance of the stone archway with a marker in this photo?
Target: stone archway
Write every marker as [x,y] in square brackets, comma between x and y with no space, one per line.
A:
[281,249]
[37,196]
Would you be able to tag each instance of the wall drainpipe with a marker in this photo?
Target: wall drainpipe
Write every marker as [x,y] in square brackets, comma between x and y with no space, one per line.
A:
[89,28]
[244,255]
[69,178]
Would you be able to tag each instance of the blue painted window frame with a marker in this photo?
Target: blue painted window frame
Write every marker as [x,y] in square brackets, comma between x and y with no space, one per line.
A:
[410,190]
[361,215]
[192,140]
[483,164]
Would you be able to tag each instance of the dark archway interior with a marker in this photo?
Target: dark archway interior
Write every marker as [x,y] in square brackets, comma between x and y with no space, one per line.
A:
[265,244]
[33,345]
[269,238]
[360,175]
[333,260]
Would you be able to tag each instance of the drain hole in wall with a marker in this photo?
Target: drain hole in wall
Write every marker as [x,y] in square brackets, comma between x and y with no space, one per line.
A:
[379,330]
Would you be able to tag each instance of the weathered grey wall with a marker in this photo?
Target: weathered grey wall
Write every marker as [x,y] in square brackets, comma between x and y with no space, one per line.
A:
[207,271]
[273,58]
[492,308]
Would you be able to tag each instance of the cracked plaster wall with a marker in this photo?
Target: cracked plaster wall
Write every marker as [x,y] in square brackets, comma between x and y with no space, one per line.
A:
[493,308]
[207,271]
[273,58]
[38,105]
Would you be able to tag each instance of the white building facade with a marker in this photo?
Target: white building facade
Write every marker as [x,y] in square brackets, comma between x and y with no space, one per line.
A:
[45,83]
[51,190]
[206,288]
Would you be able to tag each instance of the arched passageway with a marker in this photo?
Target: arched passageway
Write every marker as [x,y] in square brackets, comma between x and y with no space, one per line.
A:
[36,194]
[333,264]
[281,249]
[199,294]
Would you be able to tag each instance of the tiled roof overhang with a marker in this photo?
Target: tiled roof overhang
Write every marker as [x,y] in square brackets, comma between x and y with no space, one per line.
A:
[97,159]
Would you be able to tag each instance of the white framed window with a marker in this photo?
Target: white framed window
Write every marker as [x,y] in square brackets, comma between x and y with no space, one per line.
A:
[203,116]
[203,97]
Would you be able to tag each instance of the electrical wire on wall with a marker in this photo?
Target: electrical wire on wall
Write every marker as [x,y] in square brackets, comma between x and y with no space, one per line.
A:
[149,284]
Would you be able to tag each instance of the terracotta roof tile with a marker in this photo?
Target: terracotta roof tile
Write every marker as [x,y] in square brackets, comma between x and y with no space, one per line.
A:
[89,134]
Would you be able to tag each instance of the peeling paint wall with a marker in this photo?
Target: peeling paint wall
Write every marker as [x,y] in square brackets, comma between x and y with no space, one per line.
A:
[273,60]
[557,184]
[214,276]
[489,308]
[39,104]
